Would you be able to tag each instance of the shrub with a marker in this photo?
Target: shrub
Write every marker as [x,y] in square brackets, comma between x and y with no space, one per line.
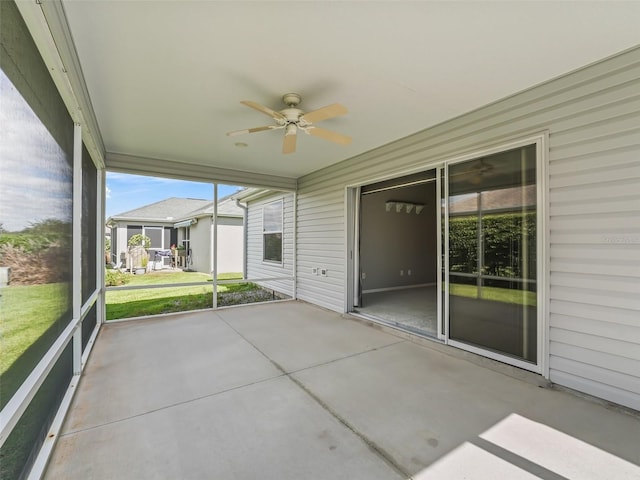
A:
[114,278]
[139,240]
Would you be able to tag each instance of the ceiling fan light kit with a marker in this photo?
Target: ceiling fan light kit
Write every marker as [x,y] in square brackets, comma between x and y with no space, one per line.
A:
[292,119]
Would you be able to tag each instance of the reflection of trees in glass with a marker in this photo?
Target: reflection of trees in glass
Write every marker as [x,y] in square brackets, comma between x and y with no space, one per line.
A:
[503,245]
[463,244]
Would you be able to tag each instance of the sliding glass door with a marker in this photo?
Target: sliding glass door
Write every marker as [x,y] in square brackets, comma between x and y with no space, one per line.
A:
[492,254]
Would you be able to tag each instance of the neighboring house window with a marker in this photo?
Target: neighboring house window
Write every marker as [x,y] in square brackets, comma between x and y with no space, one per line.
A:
[187,237]
[272,232]
[155,235]
[133,230]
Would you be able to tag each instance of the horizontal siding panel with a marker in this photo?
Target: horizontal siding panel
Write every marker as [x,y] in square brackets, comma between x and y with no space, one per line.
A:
[329,221]
[596,297]
[623,233]
[319,233]
[593,312]
[597,282]
[628,235]
[623,189]
[604,206]
[597,222]
[594,267]
[587,133]
[627,350]
[598,116]
[602,375]
[322,298]
[321,209]
[601,252]
[596,176]
[602,149]
[616,363]
[613,330]
[598,389]
[615,158]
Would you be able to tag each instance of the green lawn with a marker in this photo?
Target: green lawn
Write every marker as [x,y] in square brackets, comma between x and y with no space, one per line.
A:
[141,302]
[27,312]
[493,293]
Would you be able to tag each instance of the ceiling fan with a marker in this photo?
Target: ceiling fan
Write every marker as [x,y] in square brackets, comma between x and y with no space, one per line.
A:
[476,172]
[292,119]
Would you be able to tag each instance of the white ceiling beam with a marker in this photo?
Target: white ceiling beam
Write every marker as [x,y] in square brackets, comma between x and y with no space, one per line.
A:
[118,162]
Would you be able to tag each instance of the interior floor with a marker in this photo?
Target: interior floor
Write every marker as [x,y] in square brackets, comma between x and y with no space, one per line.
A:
[413,308]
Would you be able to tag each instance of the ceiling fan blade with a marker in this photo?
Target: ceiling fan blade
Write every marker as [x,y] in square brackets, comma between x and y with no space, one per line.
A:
[289,142]
[330,111]
[329,135]
[251,130]
[263,109]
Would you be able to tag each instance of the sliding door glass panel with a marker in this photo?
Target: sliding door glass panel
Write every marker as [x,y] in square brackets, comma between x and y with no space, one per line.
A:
[492,253]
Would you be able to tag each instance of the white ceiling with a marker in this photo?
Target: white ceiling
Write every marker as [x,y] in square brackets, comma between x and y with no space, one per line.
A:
[166,77]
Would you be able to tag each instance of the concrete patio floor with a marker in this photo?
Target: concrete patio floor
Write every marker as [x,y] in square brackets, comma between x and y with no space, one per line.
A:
[291,391]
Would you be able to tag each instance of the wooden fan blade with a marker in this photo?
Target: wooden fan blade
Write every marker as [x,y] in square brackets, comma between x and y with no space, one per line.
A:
[251,130]
[330,111]
[289,142]
[263,109]
[329,135]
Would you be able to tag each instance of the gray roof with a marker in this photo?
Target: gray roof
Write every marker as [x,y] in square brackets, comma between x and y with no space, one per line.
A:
[174,209]
[226,208]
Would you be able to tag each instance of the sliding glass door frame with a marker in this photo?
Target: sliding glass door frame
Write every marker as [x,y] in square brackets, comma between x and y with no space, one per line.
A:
[541,366]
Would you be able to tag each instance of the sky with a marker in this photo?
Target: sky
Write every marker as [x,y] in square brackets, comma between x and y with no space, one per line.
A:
[32,166]
[126,192]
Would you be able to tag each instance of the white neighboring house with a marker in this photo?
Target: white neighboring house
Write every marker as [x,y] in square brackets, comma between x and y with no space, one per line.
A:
[195,232]
[183,222]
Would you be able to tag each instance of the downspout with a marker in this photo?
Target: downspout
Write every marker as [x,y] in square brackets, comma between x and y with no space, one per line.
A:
[245,235]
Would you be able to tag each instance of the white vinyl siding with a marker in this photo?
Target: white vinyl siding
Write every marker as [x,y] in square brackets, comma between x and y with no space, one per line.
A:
[256,267]
[200,245]
[592,117]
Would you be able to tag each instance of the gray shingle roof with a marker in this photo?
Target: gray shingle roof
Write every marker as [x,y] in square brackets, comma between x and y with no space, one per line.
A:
[226,208]
[174,209]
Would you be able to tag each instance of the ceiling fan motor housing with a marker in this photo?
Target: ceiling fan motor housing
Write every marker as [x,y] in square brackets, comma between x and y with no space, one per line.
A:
[292,115]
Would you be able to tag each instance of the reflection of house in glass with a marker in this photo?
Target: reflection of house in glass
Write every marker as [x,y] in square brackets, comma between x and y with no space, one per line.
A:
[186,224]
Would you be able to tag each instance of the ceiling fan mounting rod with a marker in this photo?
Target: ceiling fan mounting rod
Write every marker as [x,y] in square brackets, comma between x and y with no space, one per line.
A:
[291,99]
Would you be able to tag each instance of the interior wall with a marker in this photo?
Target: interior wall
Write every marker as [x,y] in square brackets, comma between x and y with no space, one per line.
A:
[398,249]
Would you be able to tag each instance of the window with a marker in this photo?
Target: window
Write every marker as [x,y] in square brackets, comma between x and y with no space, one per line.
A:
[156,237]
[272,232]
